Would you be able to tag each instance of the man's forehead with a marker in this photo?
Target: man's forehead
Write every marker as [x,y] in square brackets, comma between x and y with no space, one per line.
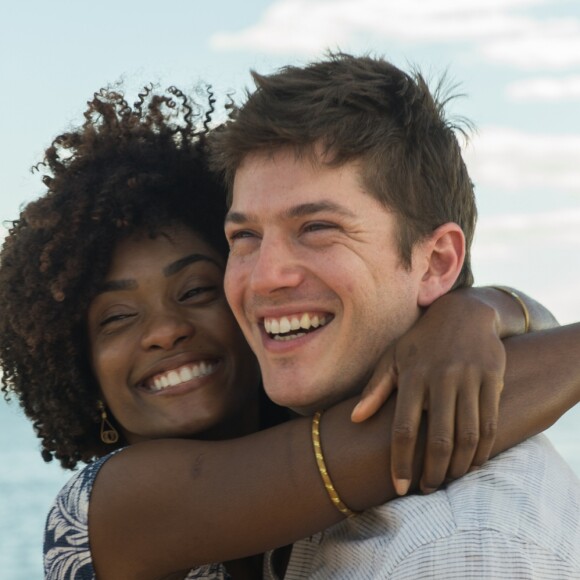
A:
[313,153]
[288,167]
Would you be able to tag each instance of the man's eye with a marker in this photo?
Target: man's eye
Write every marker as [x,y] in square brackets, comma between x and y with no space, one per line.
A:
[318,226]
[240,235]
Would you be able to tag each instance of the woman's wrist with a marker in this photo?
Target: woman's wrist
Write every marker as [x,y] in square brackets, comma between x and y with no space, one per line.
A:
[358,455]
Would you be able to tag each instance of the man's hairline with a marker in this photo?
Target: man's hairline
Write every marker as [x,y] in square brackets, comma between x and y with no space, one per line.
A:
[314,159]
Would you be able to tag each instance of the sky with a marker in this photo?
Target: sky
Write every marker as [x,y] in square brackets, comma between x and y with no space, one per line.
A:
[517,63]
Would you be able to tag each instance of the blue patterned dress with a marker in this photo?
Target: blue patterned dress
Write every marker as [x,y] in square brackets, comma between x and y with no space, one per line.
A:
[67,553]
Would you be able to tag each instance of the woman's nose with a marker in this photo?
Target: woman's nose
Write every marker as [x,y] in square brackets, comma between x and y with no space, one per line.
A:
[166,330]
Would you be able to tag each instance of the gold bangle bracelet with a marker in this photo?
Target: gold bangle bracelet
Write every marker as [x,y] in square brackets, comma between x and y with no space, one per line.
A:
[522,304]
[330,489]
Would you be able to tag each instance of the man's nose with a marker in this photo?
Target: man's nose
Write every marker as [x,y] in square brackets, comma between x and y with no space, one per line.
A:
[275,267]
[165,329]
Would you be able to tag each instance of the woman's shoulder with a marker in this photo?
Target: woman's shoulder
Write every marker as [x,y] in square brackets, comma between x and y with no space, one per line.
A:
[66,534]
[74,496]
[67,552]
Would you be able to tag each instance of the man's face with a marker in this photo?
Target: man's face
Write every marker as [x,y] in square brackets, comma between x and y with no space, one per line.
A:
[314,277]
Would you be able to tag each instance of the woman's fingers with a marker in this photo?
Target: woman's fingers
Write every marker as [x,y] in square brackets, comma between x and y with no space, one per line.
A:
[490,395]
[440,435]
[378,390]
[372,399]
[467,431]
[408,411]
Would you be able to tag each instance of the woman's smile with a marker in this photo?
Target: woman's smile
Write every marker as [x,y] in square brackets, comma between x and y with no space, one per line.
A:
[165,349]
[185,375]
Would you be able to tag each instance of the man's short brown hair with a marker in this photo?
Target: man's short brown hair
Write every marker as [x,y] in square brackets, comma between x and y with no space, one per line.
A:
[368,110]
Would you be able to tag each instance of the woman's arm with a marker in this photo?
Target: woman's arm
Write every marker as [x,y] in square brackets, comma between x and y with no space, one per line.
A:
[164,506]
[509,315]
[542,382]
[452,364]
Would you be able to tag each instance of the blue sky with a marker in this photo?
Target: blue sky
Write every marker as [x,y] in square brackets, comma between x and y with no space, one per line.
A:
[518,62]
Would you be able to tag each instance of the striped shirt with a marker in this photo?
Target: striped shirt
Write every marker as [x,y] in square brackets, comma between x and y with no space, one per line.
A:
[518,517]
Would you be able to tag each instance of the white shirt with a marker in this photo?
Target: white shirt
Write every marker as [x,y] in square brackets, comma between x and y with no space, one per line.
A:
[518,517]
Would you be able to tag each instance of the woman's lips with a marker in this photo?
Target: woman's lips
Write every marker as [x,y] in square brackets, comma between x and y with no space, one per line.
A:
[179,375]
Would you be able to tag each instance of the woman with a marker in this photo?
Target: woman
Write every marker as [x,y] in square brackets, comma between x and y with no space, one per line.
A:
[115,332]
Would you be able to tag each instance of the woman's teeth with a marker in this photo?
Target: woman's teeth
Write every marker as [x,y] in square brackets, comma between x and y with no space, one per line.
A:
[279,328]
[180,375]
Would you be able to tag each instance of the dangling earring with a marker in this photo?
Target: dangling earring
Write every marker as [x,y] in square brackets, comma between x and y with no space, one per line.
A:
[109,434]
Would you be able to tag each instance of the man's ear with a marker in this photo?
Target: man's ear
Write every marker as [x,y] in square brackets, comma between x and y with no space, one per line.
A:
[441,257]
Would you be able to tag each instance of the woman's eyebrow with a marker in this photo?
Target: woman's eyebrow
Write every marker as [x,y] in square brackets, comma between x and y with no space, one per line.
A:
[170,270]
[115,285]
[178,265]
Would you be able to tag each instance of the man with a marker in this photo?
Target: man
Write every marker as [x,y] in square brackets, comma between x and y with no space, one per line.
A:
[351,211]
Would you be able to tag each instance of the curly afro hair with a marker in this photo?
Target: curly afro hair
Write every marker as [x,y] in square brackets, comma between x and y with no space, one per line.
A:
[127,168]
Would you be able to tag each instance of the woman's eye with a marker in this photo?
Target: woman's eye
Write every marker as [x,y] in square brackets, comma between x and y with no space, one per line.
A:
[111,319]
[198,292]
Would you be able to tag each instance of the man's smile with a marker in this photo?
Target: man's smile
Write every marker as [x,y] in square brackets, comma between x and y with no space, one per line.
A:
[295,325]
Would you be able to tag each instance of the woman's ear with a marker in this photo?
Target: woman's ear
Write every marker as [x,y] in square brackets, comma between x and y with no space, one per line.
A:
[442,256]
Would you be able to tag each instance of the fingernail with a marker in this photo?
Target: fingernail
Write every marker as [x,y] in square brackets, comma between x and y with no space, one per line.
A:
[473,468]
[402,486]
[428,490]
[356,408]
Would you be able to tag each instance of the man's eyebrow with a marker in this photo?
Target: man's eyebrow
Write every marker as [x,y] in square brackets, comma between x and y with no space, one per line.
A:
[302,210]
[306,209]
[236,217]
[178,265]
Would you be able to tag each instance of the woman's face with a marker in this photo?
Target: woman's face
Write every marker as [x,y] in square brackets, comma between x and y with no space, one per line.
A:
[165,348]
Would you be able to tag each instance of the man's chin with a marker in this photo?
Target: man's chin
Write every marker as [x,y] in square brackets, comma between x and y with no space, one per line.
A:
[286,395]
[304,403]
[298,406]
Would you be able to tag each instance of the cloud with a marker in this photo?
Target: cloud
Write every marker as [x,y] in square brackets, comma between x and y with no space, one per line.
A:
[562,224]
[508,159]
[292,26]
[545,89]
[535,252]
[550,44]
[501,27]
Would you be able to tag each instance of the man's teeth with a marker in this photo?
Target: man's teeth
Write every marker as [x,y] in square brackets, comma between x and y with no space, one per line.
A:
[282,326]
[182,375]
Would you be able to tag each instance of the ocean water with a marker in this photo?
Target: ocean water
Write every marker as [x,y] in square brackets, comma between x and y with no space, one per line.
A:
[28,487]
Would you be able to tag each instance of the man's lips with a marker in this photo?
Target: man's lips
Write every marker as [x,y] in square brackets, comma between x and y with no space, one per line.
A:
[296,325]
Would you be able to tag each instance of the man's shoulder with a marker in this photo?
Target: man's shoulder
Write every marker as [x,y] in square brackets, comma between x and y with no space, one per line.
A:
[532,466]
[528,489]
[527,495]
[527,492]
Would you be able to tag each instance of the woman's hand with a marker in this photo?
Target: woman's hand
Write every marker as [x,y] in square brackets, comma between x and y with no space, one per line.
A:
[451,364]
